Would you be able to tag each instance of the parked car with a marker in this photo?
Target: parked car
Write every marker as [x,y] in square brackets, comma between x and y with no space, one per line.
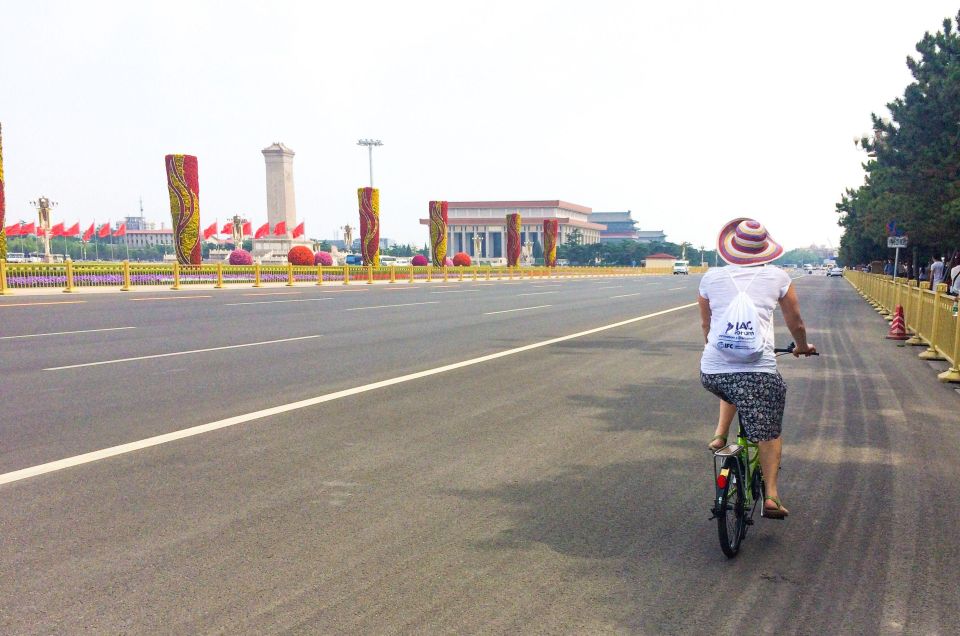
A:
[835,271]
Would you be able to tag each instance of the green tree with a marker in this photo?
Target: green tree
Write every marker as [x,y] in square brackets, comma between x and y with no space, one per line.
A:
[913,166]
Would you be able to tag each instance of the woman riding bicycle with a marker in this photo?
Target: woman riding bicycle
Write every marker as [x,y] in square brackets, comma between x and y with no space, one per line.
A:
[738,364]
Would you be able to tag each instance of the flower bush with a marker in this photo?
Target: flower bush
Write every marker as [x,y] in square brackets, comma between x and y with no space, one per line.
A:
[323,258]
[300,255]
[448,262]
[461,259]
[419,260]
[241,257]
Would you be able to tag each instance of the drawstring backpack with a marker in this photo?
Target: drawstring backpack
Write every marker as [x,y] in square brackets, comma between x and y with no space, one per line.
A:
[739,340]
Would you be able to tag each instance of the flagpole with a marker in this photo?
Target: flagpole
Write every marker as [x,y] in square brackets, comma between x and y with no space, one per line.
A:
[96,243]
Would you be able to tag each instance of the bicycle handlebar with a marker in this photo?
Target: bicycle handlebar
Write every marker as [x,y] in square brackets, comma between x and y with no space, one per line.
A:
[791,347]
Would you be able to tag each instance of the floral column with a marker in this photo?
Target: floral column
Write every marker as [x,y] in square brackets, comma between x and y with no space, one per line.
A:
[513,239]
[184,186]
[550,229]
[438,232]
[3,206]
[369,225]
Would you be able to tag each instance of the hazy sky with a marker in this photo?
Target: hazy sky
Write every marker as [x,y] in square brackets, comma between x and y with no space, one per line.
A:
[686,113]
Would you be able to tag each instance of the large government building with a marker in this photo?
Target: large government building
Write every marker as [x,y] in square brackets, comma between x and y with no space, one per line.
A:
[487,219]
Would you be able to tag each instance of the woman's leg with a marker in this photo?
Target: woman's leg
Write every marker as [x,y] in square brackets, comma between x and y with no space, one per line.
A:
[770,464]
[727,411]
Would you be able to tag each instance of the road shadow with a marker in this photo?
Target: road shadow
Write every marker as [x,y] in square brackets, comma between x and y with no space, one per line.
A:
[649,406]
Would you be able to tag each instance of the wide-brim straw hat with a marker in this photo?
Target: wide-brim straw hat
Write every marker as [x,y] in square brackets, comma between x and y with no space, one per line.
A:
[745,241]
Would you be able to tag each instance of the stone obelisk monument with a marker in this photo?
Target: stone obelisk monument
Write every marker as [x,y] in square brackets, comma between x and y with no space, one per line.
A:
[281,204]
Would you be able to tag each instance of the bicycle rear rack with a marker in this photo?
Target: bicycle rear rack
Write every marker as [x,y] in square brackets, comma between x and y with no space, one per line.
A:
[728,450]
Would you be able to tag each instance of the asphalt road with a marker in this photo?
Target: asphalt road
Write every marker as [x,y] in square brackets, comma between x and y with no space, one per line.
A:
[561,488]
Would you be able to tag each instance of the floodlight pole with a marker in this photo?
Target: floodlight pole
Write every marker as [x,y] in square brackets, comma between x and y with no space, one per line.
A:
[370,143]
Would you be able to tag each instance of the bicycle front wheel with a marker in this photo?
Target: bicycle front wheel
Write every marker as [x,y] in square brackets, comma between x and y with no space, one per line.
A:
[731,507]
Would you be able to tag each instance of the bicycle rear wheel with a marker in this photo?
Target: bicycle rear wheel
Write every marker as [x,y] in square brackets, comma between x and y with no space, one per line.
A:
[730,510]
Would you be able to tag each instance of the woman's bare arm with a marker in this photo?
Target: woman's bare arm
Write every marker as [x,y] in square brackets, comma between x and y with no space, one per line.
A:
[704,316]
[790,306]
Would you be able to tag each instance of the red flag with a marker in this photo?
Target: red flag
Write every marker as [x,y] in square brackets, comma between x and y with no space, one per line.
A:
[12,230]
[227,229]
[89,233]
[298,231]
[73,230]
[57,230]
[247,229]
[280,228]
[210,231]
[104,230]
[262,231]
[122,230]
[28,229]
[40,231]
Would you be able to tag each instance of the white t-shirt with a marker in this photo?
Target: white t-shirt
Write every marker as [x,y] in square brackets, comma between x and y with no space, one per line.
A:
[766,290]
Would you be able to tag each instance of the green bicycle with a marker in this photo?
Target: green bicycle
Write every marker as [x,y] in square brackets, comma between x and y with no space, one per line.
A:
[739,486]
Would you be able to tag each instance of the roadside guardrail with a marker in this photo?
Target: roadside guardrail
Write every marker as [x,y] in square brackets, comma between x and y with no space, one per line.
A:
[124,275]
[930,315]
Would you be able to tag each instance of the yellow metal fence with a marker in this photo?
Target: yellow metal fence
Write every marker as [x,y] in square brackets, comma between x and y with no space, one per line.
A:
[124,275]
[930,316]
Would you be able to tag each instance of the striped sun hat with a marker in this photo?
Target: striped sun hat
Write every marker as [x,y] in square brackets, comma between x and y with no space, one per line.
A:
[744,241]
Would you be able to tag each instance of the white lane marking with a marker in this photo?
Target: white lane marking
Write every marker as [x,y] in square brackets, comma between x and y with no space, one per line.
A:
[55,302]
[169,298]
[545,286]
[611,287]
[63,333]
[537,293]
[179,353]
[113,451]
[456,291]
[429,302]
[675,288]
[507,311]
[326,288]
[270,302]
[626,295]
[274,294]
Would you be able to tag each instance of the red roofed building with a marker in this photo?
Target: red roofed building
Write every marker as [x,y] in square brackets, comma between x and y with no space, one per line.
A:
[487,219]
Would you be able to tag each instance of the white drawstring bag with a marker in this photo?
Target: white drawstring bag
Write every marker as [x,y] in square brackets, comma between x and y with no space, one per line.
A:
[739,339]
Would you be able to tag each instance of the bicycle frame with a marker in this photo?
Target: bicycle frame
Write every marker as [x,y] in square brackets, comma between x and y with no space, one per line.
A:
[748,456]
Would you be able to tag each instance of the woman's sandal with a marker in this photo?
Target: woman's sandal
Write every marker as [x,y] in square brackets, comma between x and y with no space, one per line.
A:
[723,442]
[774,513]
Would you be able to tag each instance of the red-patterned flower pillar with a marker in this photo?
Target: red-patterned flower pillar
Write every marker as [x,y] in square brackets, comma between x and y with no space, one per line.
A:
[513,239]
[183,183]
[369,225]
[438,232]
[3,206]
[551,228]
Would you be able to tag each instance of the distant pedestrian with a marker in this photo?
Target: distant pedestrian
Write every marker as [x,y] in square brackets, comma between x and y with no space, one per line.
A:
[936,272]
[953,274]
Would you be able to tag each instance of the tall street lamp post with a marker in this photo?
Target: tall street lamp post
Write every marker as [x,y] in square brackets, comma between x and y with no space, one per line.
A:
[370,143]
[43,205]
[477,245]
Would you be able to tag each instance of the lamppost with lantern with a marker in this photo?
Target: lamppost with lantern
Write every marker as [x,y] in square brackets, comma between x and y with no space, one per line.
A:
[477,245]
[370,143]
[43,205]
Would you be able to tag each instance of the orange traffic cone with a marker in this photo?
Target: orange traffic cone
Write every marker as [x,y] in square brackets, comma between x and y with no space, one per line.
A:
[898,330]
